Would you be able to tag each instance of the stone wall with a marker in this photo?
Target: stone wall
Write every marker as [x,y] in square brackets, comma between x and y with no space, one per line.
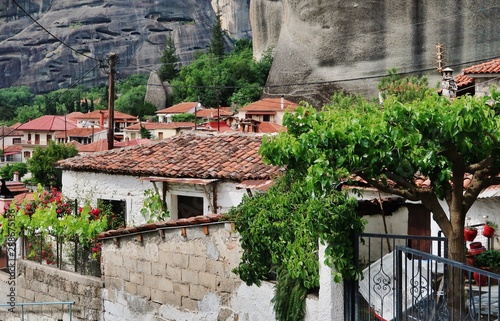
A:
[163,275]
[42,283]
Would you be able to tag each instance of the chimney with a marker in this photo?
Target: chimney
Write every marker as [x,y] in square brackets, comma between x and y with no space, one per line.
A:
[16,176]
[282,102]
[101,119]
[448,84]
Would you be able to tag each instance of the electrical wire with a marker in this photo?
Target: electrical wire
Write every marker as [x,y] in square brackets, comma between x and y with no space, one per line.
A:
[53,36]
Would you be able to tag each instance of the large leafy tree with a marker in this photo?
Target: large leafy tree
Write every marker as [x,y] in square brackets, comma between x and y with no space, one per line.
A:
[420,133]
[43,163]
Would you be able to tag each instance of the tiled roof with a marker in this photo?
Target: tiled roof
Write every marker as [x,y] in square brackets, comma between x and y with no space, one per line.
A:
[49,123]
[12,149]
[133,142]
[489,67]
[213,113]
[9,132]
[77,132]
[97,146]
[463,80]
[96,114]
[179,108]
[270,104]
[201,220]
[74,116]
[190,155]
[152,126]
[214,126]
[268,127]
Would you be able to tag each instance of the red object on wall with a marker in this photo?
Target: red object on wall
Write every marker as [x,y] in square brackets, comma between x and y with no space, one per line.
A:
[488,231]
[469,234]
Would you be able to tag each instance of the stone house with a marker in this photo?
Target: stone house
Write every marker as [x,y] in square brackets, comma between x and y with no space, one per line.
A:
[195,174]
[157,130]
[267,110]
[188,107]
[477,79]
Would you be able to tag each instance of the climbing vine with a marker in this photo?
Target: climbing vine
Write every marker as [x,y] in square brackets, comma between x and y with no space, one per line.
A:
[280,234]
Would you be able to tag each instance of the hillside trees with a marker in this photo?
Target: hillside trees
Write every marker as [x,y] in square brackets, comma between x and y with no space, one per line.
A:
[422,133]
[236,78]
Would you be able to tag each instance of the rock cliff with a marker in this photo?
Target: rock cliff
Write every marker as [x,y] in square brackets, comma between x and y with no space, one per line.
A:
[135,30]
[317,41]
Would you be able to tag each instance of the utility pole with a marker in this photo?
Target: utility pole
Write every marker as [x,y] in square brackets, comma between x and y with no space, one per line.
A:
[111,100]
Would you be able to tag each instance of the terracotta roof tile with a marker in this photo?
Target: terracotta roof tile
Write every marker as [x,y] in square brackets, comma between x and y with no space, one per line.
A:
[268,127]
[180,108]
[199,220]
[489,67]
[77,132]
[190,155]
[9,131]
[213,113]
[49,123]
[96,114]
[270,104]
[152,126]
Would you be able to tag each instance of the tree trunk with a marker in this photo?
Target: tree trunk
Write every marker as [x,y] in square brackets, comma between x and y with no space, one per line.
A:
[455,279]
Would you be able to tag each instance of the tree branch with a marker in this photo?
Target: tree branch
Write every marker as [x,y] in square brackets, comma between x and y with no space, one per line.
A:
[488,161]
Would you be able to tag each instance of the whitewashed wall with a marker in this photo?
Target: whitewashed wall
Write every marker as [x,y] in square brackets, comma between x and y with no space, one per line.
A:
[87,186]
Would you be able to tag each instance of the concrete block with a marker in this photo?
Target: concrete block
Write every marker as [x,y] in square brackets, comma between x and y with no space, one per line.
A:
[158,296]
[165,257]
[215,267]
[181,289]
[227,285]
[173,299]
[190,276]
[150,281]
[174,274]
[208,280]
[143,267]
[137,278]
[180,260]
[197,263]
[122,273]
[144,292]
[130,287]
[197,292]
[189,304]
[164,284]
[158,269]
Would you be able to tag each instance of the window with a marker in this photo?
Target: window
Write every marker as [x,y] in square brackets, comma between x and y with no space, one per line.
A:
[49,138]
[16,140]
[188,206]
[117,215]
[37,139]
[27,155]
[160,135]
[266,118]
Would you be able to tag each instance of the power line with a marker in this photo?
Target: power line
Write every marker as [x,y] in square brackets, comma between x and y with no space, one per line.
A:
[52,35]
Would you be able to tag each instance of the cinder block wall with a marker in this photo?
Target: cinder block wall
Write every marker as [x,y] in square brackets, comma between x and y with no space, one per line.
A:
[42,283]
[172,276]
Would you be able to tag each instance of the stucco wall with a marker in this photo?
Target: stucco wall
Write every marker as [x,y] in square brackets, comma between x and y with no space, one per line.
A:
[42,283]
[190,278]
[87,186]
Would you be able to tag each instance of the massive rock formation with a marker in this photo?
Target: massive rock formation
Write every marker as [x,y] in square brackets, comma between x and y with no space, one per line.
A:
[135,30]
[317,41]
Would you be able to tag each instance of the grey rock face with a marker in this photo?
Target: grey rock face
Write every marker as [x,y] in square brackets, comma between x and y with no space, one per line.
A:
[318,41]
[135,30]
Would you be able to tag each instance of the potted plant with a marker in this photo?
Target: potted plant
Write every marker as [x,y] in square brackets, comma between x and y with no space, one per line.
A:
[489,228]
[488,260]
[470,233]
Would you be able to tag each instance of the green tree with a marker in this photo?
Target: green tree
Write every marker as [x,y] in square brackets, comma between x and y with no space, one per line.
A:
[43,163]
[13,98]
[25,113]
[7,171]
[144,132]
[237,78]
[183,118]
[132,102]
[426,134]
[217,43]
[170,62]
